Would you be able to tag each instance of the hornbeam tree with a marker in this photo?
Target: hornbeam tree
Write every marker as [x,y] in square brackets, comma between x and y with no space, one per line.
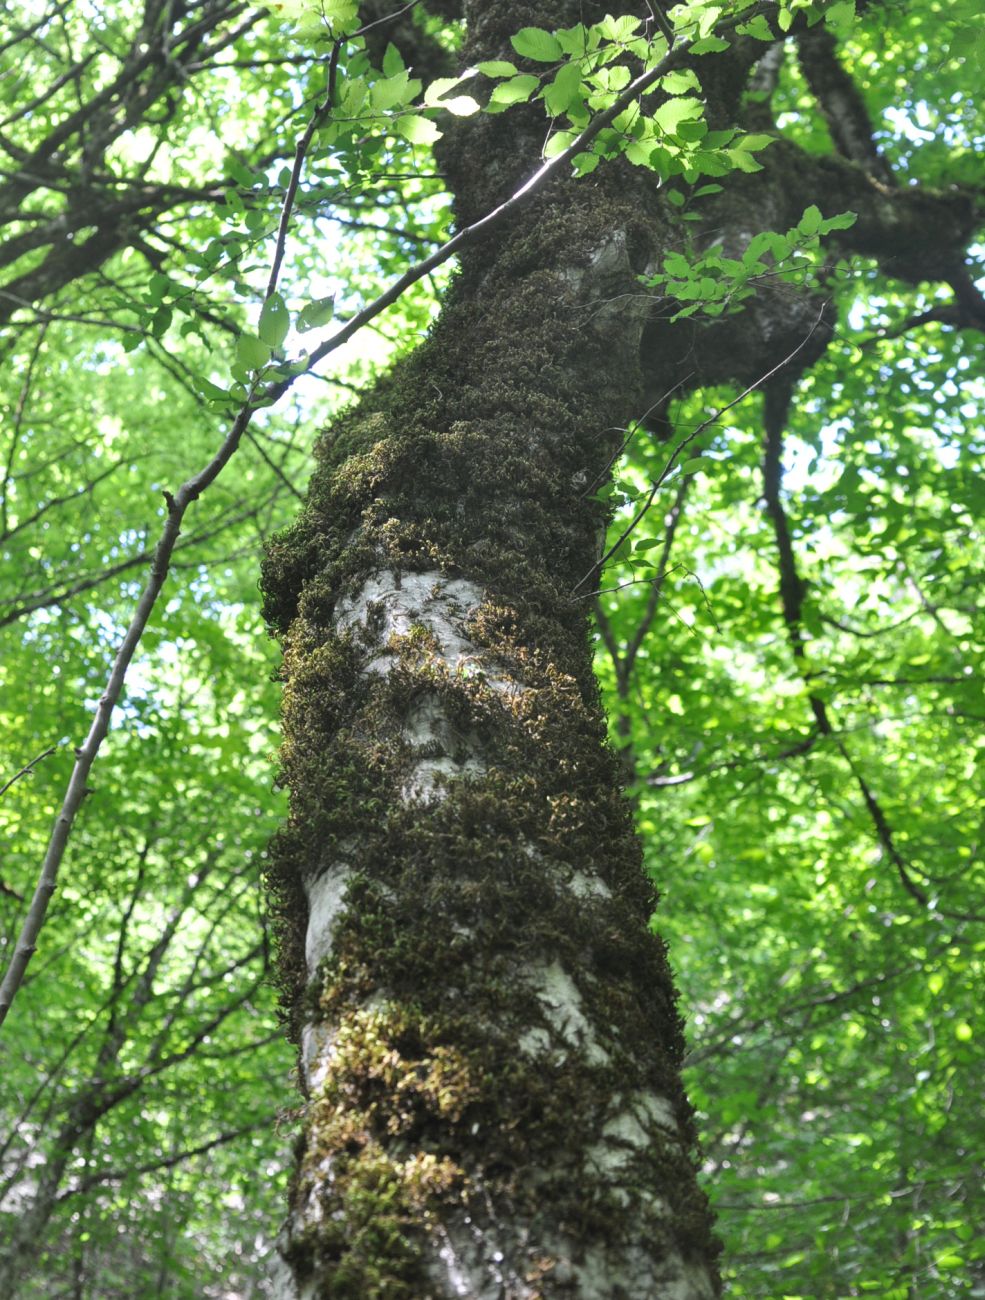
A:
[662,223]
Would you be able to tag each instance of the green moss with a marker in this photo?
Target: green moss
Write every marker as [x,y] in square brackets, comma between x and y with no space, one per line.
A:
[386,1084]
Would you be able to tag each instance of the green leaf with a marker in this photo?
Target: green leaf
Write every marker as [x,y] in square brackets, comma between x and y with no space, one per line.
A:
[394,91]
[212,391]
[583,163]
[497,68]
[341,15]
[515,91]
[756,27]
[251,352]
[573,40]
[241,174]
[535,43]
[437,89]
[841,16]
[692,131]
[709,45]
[558,142]
[671,114]
[810,222]
[416,129]
[677,264]
[618,29]
[316,313]
[158,287]
[160,322]
[698,463]
[275,321]
[393,61]
[460,105]
[679,83]
[767,241]
[753,143]
[842,221]
[743,162]
[707,15]
[564,90]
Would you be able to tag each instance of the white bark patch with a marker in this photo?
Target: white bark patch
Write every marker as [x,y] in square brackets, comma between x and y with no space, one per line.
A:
[458,1281]
[609,285]
[635,1124]
[635,1275]
[691,1282]
[432,601]
[631,1129]
[428,600]
[326,899]
[316,1046]
[469,1263]
[281,1283]
[582,885]
[559,996]
[445,751]
[439,606]
[612,257]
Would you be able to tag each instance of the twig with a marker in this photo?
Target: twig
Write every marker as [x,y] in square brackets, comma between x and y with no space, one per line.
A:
[792,591]
[672,459]
[28,767]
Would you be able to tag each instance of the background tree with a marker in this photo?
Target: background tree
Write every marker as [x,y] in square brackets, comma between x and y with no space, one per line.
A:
[797,719]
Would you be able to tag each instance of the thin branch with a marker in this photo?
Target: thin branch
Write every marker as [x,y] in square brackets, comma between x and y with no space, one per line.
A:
[672,459]
[792,592]
[28,767]
[634,645]
[54,502]
[153,1166]
[632,431]
[841,104]
[8,474]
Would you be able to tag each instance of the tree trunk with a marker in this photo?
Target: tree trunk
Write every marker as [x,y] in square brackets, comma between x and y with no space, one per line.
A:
[490,1045]
[489,1037]
[490,1042]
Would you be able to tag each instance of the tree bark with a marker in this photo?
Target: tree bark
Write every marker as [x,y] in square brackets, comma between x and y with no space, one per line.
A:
[489,1037]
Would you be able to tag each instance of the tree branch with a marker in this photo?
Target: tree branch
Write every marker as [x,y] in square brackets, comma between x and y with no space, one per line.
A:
[841,104]
[792,592]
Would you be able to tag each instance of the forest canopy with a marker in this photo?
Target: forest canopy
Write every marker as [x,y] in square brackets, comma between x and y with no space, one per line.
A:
[225,230]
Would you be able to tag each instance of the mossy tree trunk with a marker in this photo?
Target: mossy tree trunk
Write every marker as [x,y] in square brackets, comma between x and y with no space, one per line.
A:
[490,1045]
[489,1037]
